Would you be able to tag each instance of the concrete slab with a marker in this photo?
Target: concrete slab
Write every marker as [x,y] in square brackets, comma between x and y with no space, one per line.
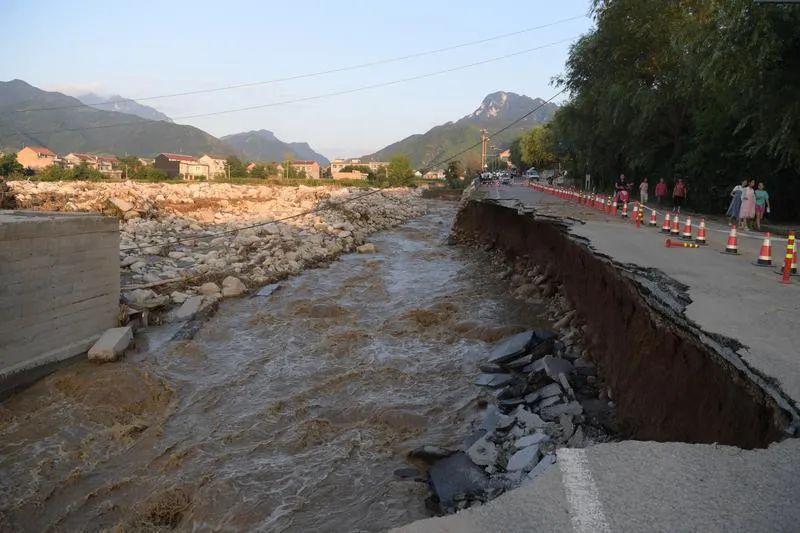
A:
[111,344]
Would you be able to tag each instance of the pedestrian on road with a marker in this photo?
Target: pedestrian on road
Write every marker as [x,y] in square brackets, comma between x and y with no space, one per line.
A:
[620,186]
[679,193]
[736,203]
[762,204]
[661,191]
[748,210]
[643,191]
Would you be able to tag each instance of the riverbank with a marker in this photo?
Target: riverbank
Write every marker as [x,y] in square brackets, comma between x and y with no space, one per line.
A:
[174,238]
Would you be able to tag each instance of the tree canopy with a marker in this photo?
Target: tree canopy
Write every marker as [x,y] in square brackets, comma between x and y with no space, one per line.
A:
[700,88]
[399,172]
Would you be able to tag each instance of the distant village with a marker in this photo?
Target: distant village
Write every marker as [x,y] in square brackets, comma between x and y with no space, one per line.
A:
[206,167]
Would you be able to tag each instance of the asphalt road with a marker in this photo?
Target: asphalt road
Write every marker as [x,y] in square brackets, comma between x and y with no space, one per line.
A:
[647,486]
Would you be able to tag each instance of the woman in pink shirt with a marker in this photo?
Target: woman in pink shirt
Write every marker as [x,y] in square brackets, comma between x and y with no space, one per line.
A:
[661,191]
[678,195]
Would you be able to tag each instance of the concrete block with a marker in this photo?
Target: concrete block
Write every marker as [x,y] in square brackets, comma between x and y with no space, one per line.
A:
[111,345]
[554,366]
[188,309]
[524,459]
[483,452]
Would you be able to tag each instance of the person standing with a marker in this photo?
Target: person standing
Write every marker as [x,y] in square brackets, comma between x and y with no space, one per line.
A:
[736,203]
[661,191]
[643,186]
[748,210]
[762,204]
[679,193]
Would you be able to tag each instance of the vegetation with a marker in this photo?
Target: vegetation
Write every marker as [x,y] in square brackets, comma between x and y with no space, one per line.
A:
[453,174]
[705,89]
[9,165]
[538,148]
[134,169]
[236,169]
[399,172]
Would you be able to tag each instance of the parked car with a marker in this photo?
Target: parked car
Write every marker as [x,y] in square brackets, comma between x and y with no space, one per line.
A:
[532,174]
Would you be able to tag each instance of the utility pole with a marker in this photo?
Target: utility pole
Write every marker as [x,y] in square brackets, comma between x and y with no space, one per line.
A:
[484,147]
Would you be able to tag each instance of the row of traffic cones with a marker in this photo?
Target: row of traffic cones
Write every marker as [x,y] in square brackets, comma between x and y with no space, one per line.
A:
[673,227]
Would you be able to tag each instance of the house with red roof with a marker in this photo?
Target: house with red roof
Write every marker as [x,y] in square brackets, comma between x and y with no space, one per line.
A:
[36,157]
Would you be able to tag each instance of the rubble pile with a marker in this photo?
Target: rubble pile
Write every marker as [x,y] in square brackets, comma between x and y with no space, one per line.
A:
[179,240]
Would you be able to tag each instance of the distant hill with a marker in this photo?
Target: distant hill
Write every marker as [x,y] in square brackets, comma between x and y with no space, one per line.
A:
[122,105]
[496,111]
[74,127]
[262,145]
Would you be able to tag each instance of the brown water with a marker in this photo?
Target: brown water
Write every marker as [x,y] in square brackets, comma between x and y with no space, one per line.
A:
[286,413]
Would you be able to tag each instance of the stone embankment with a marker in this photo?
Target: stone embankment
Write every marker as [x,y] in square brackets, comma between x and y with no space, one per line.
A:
[213,240]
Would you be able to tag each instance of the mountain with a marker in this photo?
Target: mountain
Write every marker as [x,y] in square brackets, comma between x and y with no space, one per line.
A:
[262,145]
[122,105]
[69,126]
[495,112]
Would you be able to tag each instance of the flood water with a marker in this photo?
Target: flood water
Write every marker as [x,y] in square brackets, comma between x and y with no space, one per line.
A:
[286,413]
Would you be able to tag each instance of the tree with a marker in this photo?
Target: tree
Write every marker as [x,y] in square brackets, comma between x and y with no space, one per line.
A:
[400,173]
[538,148]
[236,169]
[9,165]
[453,173]
[259,171]
[516,153]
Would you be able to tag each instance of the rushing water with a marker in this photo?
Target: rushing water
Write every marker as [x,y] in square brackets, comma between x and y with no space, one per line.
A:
[286,413]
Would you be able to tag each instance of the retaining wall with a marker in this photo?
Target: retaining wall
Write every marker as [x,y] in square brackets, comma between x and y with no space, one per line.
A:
[59,289]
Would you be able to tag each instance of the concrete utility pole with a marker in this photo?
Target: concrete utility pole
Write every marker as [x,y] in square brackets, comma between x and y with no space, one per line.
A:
[484,147]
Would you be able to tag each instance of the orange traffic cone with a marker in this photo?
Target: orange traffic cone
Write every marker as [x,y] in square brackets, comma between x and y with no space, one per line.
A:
[701,232]
[625,210]
[765,255]
[790,263]
[653,219]
[676,226]
[614,209]
[732,247]
[667,224]
[687,230]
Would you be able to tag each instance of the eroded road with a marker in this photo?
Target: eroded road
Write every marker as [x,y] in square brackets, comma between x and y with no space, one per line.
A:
[286,413]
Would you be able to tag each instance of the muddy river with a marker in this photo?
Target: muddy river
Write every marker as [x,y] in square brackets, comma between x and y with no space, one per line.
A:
[285,413]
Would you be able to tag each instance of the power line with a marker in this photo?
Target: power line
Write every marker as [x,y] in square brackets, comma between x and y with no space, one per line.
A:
[436,163]
[319,96]
[311,74]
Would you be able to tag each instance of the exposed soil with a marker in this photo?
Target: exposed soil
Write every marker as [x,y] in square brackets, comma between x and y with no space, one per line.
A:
[667,384]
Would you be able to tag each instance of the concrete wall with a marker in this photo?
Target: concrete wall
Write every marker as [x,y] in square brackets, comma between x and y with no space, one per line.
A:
[59,290]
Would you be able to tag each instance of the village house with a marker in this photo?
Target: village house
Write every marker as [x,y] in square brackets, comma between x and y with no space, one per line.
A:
[181,165]
[311,168]
[36,157]
[338,164]
[354,175]
[216,166]
[104,164]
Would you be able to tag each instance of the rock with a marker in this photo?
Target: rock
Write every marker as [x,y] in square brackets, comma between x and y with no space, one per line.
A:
[405,473]
[548,391]
[367,248]
[129,260]
[528,419]
[131,215]
[524,459]
[267,290]
[541,467]
[554,411]
[232,286]
[189,308]
[209,288]
[473,438]
[138,266]
[567,387]
[493,380]
[548,401]
[494,419]
[578,440]
[429,453]
[567,426]
[536,366]
[582,362]
[111,345]
[120,205]
[562,323]
[179,297]
[554,366]
[483,452]
[511,347]
[529,440]
[457,475]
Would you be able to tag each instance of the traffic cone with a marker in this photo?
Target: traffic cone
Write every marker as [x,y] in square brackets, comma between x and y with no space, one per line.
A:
[635,212]
[653,219]
[701,232]
[674,244]
[790,262]
[732,246]
[625,210]
[667,224]
[687,230]
[765,255]
[614,209]
[676,226]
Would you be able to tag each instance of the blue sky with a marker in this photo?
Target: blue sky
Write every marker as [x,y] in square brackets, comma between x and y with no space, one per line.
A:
[143,48]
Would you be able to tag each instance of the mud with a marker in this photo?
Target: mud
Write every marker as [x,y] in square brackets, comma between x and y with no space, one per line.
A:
[286,413]
[667,383]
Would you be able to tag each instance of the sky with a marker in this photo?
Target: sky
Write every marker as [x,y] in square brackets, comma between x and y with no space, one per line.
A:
[149,48]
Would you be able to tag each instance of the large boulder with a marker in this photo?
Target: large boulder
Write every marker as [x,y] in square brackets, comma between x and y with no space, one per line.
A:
[232,286]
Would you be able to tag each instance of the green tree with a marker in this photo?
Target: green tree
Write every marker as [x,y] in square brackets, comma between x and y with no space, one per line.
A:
[9,165]
[453,173]
[259,171]
[236,169]
[516,153]
[538,147]
[400,173]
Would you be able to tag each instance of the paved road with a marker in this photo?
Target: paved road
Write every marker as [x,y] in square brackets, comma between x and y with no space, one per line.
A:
[647,486]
